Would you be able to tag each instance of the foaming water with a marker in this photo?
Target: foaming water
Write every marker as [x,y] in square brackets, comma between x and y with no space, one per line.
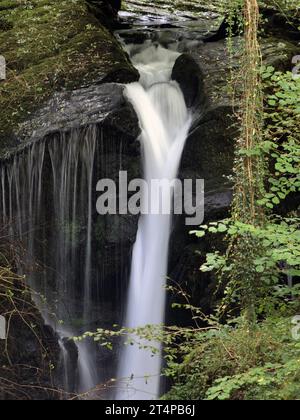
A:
[155,64]
[165,122]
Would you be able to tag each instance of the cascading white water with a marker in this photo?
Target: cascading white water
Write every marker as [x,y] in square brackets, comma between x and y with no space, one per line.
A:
[165,121]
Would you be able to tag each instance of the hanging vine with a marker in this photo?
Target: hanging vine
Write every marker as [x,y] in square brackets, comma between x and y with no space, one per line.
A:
[249,167]
[237,269]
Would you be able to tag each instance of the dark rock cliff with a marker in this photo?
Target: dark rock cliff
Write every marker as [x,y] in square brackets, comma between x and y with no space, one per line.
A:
[30,354]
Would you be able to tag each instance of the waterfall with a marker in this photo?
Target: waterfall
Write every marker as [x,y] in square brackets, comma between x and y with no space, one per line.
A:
[46,192]
[164,121]
[47,205]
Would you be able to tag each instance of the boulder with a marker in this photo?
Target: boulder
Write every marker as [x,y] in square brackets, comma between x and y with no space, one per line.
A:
[102,103]
[74,51]
[208,155]
[191,80]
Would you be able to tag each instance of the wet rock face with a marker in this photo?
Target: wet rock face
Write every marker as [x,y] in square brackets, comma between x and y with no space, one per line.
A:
[77,108]
[105,10]
[191,80]
[170,11]
[110,7]
[209,149]
[31,353]
[209,154]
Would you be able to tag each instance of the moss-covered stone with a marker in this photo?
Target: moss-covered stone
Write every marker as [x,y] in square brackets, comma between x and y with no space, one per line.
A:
[49,46]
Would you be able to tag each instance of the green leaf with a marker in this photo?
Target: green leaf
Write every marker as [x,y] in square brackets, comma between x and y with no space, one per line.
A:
[222,228]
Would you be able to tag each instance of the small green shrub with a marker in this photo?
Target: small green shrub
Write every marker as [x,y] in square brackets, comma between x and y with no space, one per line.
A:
[239,364]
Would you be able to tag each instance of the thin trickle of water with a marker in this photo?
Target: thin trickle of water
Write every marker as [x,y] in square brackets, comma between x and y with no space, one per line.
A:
[88,159]
[47,205]
[65,363]
[165,121]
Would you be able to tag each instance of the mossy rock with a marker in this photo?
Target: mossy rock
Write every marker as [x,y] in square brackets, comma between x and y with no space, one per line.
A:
[50,46]
[5,25]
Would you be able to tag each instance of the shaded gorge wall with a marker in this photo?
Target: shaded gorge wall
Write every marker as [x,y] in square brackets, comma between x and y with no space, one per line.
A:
[76,261]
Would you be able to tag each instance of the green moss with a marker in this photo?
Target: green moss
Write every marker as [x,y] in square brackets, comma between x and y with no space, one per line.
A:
[51,45]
